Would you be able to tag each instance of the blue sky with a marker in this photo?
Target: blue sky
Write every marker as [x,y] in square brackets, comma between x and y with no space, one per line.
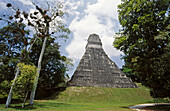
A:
[85,17]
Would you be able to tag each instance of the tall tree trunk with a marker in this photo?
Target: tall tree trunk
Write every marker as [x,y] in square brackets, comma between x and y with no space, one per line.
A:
[23,105]
[32,96]
[29,49]
[10,92]
[13,84]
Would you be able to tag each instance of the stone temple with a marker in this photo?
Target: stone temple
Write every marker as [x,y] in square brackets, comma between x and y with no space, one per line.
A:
[97,70]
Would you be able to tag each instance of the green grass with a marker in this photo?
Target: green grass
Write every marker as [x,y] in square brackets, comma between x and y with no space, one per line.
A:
[89,99]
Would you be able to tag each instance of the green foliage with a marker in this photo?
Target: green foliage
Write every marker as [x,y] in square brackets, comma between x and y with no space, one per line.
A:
[144,40]
[26,78]
[5,85]
[53,70]
[129,73]
[13,39]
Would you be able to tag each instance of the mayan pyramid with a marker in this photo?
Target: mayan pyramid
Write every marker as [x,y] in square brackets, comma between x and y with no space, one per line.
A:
[97,70]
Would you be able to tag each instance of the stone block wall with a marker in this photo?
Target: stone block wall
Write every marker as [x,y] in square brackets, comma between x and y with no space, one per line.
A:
[97,70]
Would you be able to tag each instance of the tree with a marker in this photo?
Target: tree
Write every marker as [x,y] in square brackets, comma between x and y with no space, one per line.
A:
[130,73]
[53,71]
[18,38]
[45,23]
[44,31]
[25,80]
[13,39]
[143,21]
[14,42]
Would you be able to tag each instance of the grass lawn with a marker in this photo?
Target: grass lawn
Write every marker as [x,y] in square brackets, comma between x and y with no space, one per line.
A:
[89,99]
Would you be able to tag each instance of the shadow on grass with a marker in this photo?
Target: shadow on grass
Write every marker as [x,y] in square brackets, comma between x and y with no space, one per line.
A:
[19,107]
[16,104]
[41,105]
[49,95]
[124,107]
[14,101]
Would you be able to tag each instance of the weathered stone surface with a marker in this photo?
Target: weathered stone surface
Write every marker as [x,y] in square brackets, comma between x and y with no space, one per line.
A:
[97,70]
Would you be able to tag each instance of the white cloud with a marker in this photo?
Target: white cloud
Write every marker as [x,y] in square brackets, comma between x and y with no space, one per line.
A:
[98,18]
[104,8]
[3,5]
[73,6]
[80,3]
[26,2]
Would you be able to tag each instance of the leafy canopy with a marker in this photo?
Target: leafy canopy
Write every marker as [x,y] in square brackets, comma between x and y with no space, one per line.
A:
[26,78]
[144,39]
